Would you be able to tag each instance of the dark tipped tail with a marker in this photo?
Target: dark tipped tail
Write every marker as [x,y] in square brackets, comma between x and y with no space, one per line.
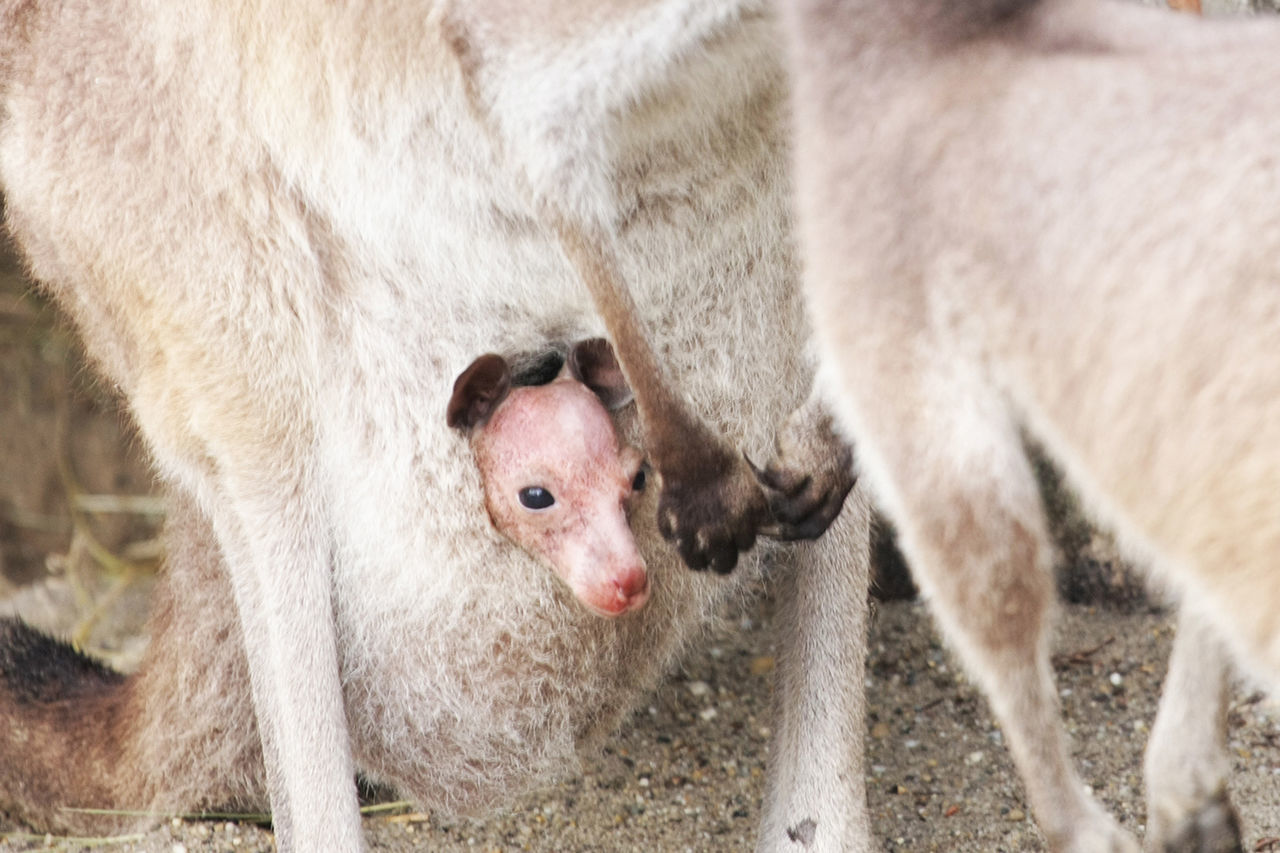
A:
[60,714]
[176,737]
[36,669]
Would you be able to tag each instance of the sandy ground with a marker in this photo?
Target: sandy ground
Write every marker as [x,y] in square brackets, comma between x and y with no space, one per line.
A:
[687,772]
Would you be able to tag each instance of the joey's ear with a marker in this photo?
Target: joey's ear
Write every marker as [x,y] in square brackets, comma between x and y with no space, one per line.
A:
[477,392]
[593,364]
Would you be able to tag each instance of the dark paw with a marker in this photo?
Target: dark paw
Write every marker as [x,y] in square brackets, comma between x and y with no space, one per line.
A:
[804,503]
[808,479]
[711,510]
[1214,828]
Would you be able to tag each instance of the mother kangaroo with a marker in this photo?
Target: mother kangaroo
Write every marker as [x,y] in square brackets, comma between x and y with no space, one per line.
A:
[282,228]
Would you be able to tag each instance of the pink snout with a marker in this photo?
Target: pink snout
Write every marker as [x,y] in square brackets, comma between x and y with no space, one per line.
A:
[631,588]
[618,591]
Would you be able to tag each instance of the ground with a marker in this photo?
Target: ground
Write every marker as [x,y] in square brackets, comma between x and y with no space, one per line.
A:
[686,772]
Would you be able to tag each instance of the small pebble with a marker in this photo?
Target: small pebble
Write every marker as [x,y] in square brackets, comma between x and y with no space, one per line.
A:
[762,665]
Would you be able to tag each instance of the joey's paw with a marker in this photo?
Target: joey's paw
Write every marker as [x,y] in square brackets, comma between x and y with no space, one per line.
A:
[1212,827]
[803,503]
[807,481]
[711,509]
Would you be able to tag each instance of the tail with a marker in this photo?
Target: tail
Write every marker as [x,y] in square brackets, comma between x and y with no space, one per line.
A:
[176,737]
[62,713]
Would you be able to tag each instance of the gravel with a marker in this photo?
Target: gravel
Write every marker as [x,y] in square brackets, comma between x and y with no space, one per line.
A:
[686,772]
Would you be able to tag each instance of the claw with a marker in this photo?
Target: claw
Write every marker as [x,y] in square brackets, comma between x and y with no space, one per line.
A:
[667,526]
[806,490]
[725,559]
[712,509]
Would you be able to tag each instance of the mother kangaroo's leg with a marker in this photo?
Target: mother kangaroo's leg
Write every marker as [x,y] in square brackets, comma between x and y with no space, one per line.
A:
[815,798]
[946,460]
[1187,762]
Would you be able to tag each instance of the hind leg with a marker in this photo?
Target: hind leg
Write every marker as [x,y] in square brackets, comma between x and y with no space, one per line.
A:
[947,464]
[815,796]
[1187,763]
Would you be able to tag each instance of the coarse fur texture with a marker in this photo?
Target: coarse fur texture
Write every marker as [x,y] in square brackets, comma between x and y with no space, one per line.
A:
[1057,217]
[282,229]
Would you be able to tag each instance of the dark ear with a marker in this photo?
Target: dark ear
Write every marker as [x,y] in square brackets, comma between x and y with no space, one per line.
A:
[477,392]
[593,364]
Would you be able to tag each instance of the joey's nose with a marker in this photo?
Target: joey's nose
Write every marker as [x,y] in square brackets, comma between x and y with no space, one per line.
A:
[631,588]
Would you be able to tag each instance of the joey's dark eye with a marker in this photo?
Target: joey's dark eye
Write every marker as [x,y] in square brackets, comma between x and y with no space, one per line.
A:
[637,485]
[536,497]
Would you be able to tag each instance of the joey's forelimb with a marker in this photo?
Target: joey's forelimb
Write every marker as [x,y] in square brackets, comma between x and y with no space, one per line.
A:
[714,501]
[810,475]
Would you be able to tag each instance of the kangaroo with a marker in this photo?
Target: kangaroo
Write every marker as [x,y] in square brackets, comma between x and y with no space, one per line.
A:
[282,230]
[1056,217]
[556,483]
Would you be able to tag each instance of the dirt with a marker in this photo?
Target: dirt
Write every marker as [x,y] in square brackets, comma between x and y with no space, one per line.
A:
[686,772]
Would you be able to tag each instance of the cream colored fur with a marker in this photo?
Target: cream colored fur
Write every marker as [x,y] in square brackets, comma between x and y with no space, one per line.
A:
[1057,217]
[283,228]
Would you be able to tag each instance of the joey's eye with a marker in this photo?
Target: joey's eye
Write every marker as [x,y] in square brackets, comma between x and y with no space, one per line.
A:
[637,485]
[536,497]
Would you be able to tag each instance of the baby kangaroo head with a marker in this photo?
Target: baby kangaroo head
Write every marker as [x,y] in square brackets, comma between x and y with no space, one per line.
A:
[557,481]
